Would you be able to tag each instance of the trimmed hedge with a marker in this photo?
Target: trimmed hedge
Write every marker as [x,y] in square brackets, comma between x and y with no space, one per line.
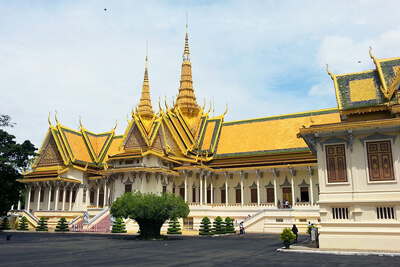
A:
[42,227]
[205,227]
[118,226]
[62,225]
[23,224]
[219,226]
[5,224]
[174,227]
[229,227]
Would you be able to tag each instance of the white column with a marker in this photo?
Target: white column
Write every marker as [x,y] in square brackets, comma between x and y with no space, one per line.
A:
[105,193]
[98,193]
[211,193]
[226,188]
[56,198]
[241,187]
[19,205]
[87,195]
[310,173]
[108,194]
[39,193]
[64,194]
[292,184]
[70,198]
[274,173]
[258,187]
[50,186]
[205,190]
[28,198]
[201,188]
[185,173]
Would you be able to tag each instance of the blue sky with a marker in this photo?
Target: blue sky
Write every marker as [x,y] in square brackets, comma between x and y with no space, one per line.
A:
[263,58]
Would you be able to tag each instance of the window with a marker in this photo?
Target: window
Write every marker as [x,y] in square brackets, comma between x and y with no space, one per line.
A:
[336,163]
[182,192]
[302,220]
[60,196]
[128,188]
[128,162]
[253,195]
[164,189]
[41,195]
[73,195]
[304,194]
[340,213]
[223,196]
[193,194]
[84,196]
[67,195]
[278,220]
[380,162]
[173,190]
[270,195]
[52,195]
[91,196]
[32,195]
[188,223]
[385,213]
[238,195]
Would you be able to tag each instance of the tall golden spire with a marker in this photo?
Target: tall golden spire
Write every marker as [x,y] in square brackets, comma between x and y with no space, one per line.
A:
[186,100]
[145,109]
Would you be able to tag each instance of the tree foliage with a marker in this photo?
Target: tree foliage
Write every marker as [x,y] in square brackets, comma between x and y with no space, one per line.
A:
[149,210]
[13,158]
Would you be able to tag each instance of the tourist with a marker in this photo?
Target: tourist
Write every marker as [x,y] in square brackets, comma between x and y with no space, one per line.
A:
[241,227]
[295,231]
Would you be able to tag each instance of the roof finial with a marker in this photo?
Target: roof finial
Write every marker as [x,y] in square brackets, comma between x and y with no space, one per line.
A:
[80,121]
[48,119]
[145,108]
[330,73]
[55,115]
[370,53]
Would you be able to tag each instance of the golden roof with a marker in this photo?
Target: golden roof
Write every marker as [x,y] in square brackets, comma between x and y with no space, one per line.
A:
[145,108]
[270,134]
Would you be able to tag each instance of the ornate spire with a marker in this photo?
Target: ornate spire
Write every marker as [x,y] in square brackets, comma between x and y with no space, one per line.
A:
[145,109]
[186,99]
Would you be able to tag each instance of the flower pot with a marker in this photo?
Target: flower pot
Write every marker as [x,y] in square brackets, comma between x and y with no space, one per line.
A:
[287,243]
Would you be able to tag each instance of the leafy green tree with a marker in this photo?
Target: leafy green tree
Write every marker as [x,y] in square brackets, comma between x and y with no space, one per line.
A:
[23,224]
[205,227]
[149,210]
[42,226]
[62,225]
[219,226]
[230,228]
[118,226]
[13,158]
[174,227]
[5,224]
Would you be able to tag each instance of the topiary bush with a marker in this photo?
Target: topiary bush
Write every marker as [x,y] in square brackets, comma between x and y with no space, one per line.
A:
[229,227]
[62,225]
[23,224]
[118,226]
[205,227]
[174,227]
[42,225]
[219,226]
[287,237]
[5,224]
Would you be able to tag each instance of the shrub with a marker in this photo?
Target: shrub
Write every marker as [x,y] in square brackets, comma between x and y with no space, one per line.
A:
[205,227]
[229,227]
[23,224]
[62,225]
[5,224]
[42,225]
[219,226]
[118,226]
[174,227]
[287,237]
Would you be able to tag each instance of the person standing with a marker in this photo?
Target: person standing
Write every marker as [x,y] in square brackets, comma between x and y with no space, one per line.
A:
[295,231]
[241,227]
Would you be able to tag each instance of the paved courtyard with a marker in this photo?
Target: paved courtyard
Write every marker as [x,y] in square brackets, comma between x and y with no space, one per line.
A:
[79,249]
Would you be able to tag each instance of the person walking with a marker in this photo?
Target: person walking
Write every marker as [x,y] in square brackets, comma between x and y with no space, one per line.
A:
[241,227]
[295,231]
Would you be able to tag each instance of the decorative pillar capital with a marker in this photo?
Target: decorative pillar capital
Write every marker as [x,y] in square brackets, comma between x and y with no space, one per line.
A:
[310,171]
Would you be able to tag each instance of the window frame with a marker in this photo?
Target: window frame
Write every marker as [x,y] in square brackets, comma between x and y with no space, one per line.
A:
[367,167]
[328,182]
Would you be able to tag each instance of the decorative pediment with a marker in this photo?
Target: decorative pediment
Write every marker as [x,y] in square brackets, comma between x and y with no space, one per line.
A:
[269,185]
[286,183]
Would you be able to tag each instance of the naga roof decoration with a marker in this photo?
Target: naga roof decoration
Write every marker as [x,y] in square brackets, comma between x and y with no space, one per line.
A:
[367,91]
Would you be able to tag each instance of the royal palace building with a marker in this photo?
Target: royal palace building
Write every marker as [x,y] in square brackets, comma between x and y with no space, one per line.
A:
[336,168]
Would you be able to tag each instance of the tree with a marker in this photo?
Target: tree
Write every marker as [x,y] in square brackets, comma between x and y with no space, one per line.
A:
[13,158]
[230,229]
[149,210]
[62,225]
[205,227]
[23,224]
[219,226]
[174,227]
[42,225]
[118,226]
[5,224]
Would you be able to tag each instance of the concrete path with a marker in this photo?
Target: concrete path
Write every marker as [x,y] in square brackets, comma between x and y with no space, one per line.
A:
[86,249]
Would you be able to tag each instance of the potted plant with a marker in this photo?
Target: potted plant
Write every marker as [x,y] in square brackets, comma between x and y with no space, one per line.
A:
[287,237]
